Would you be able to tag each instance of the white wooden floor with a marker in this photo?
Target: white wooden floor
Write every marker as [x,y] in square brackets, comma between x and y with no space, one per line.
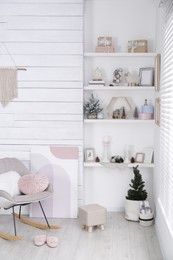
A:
[121,240]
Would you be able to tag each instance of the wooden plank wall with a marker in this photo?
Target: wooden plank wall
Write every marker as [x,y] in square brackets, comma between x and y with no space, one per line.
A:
[45,37]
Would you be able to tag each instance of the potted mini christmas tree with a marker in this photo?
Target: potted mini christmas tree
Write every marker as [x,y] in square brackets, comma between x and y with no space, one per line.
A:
[136,194]
[92,107]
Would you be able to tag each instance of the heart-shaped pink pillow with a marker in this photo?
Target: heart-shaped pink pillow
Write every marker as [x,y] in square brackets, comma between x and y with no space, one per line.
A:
[33,183]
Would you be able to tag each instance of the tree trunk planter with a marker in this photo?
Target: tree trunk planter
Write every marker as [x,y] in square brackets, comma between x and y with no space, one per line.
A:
[132,209]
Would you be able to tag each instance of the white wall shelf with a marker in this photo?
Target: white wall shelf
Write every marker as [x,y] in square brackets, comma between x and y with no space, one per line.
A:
[119,88]
[120,54]
[130,165]
[118,121]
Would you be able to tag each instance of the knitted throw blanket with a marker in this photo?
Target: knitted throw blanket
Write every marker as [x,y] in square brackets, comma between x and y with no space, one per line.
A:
[8,85]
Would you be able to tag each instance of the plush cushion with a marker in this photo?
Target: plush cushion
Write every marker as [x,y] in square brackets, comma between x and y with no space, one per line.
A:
[33,183]
[9,183]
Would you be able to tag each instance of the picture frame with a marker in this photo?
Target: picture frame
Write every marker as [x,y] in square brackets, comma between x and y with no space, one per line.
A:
[139,158]
[149,152]
[89,155]
[146,76]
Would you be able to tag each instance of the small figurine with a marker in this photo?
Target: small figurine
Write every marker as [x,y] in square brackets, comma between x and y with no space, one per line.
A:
[132,160]
[97,159]
[117,159]
[117,76]
[146,102]
[132,79]
[116,114]
[97,74]
[135,113]
[119,113]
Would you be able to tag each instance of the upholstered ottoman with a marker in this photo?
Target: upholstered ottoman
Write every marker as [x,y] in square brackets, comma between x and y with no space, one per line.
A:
[92,215]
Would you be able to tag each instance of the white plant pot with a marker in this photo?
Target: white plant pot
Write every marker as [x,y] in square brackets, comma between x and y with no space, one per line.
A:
[132,209]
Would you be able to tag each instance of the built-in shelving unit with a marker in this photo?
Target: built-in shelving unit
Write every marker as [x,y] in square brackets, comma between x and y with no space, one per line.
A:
[139,93]
[106,183]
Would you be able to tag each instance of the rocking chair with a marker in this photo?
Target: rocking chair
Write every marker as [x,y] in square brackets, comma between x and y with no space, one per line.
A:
[13,164]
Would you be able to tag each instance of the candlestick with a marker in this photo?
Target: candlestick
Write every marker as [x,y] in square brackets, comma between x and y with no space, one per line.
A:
[126,154]
[106,140]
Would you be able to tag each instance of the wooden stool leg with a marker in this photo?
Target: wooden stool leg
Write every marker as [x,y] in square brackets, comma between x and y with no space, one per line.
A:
[90,229]
[101,227]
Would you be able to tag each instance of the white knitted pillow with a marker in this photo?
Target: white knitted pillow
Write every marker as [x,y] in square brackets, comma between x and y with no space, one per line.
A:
[33,183]
[9,183]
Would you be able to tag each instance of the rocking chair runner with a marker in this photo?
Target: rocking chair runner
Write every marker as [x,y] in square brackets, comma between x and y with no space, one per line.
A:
[13,164]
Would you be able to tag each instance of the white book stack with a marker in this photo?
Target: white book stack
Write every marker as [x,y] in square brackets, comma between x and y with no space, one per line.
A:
[96,83]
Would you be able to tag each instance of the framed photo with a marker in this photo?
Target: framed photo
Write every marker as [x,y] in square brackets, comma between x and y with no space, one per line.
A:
[89,155]
[148,151]
[146,76]
[139,157]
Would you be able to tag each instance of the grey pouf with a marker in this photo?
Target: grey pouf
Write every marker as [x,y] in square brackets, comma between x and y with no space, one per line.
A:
[92,215]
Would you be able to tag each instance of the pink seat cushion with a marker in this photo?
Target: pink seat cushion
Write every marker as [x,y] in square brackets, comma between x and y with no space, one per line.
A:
[33,183]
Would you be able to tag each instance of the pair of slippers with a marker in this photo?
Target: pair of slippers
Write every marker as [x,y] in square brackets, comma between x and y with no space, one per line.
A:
[42,239]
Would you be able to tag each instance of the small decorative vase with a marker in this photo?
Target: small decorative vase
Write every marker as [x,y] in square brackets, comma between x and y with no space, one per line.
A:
[92,116]
[100,115]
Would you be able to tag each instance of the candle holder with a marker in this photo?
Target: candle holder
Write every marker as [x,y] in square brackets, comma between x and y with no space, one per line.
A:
[106,141]
[126,154]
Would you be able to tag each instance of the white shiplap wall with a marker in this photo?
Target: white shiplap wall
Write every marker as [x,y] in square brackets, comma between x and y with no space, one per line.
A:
[46,37]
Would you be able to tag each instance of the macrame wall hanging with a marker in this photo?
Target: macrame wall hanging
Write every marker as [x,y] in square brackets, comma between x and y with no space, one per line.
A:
[8,81]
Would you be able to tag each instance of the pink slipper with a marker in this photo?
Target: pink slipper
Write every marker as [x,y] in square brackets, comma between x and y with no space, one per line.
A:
[40,240]
[52,241]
